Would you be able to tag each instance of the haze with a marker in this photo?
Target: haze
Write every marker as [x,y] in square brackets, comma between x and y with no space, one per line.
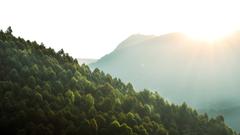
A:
[90,29]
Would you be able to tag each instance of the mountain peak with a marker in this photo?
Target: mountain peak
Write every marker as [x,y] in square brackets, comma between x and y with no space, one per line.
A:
[136,39]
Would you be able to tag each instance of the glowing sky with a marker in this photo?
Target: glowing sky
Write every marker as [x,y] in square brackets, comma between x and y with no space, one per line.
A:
[92,28]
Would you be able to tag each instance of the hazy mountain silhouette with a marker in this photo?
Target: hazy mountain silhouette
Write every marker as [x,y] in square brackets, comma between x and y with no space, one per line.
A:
[86,61]
[203,74]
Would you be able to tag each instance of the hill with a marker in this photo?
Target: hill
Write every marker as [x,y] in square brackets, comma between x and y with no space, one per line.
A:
[202,74]
[86,61]
[43,92]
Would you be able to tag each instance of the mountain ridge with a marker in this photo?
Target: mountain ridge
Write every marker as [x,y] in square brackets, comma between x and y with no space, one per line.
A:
[180,68]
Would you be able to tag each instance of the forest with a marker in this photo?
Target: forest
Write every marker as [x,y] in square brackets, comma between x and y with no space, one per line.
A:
[44,92]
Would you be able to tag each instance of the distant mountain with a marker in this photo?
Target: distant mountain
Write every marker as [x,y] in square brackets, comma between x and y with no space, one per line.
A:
[203,74]
[86,61]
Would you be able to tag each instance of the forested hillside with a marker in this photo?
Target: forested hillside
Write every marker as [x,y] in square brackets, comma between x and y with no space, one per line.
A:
[43,92]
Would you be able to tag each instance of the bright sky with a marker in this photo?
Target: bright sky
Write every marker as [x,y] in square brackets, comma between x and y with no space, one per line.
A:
[93,28]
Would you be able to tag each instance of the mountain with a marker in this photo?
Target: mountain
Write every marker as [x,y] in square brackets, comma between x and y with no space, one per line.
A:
[43,92]
[86,61]
[203,74]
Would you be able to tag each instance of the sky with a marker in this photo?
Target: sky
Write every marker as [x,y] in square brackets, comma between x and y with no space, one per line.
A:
[93,28]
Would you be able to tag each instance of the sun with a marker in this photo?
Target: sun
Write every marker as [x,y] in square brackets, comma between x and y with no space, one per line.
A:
[208,34]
